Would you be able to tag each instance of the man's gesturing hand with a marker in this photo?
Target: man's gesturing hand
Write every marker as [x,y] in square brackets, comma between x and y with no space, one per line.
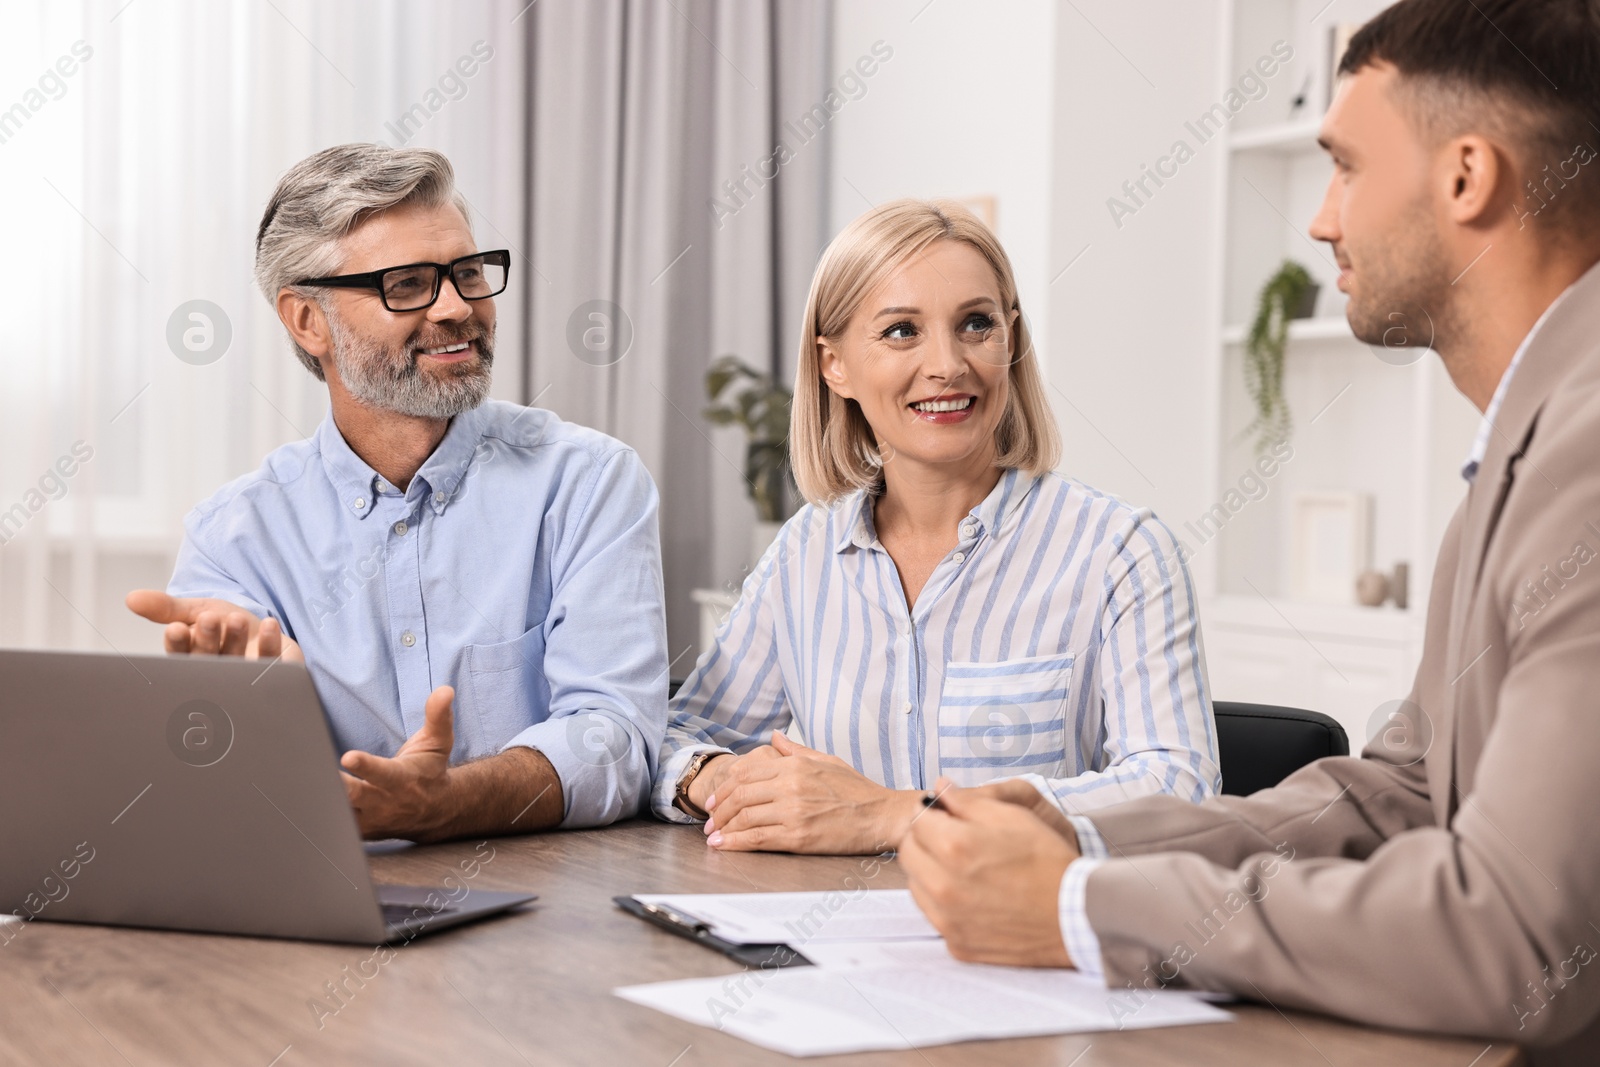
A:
[213,627]
[988,876]
[408,795]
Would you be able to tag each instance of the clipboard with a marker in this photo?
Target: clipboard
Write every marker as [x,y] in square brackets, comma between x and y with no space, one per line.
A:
[765,956]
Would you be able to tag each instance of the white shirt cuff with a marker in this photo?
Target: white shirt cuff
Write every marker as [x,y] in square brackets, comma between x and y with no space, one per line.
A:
[1076,933]
[1090,844]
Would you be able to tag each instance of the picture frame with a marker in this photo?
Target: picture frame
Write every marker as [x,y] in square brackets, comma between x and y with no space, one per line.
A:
[1330,543]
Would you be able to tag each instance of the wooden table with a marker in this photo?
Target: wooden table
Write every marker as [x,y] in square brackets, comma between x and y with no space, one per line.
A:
[533,987]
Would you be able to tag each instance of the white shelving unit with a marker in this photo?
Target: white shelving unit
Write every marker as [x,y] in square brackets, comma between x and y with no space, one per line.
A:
[1395,432]
[1285,138]
[1333,328]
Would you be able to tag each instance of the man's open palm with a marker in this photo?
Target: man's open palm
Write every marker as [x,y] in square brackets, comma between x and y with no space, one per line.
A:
[206,626]
[408,794]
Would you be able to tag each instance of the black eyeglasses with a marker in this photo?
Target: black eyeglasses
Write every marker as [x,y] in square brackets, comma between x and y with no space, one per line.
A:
[416,285]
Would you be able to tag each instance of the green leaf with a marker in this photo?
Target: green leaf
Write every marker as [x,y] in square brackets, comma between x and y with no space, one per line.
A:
[743,396]
[747,406]
[717,379]
[1264,349]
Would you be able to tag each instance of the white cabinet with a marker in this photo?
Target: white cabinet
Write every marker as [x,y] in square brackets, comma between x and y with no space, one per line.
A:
[1344,662]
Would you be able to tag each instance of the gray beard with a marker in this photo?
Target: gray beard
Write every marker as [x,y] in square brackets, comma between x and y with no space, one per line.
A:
[390,380]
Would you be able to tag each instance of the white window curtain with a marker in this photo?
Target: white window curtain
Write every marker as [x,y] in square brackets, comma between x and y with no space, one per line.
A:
[138,144]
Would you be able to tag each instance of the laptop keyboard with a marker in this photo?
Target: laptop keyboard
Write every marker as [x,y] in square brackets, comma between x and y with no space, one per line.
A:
[398,914]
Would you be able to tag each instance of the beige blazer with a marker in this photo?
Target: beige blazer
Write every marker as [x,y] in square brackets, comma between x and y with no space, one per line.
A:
[1448,879]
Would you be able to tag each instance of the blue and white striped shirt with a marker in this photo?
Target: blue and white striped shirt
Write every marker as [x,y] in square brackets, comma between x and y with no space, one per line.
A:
[1058,640]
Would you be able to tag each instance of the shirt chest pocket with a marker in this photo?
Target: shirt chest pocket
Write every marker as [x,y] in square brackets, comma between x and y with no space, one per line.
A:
[1004,718]
[500,691]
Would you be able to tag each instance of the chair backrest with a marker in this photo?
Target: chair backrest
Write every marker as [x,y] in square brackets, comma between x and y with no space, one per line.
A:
[1260,745]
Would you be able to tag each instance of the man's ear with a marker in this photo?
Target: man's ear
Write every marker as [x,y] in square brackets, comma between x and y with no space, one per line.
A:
[1477,176]
[305,321]
[833,372]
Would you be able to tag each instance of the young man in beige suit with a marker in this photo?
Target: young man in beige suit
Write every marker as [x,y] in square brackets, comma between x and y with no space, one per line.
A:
[1449,879]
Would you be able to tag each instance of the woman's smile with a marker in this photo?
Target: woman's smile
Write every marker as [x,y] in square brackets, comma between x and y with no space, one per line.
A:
[945,409]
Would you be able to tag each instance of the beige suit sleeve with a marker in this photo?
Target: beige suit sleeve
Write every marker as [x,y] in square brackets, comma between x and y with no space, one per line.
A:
[1335,807]
[1482,926]
[1343,806]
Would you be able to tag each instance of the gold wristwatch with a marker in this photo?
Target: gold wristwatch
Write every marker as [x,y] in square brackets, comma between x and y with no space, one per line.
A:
[680,796]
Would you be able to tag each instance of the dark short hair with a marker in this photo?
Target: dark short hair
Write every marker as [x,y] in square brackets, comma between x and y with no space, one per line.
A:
[1540,57]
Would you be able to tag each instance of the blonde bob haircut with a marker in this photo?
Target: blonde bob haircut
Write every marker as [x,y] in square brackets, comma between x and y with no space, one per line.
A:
[832,448]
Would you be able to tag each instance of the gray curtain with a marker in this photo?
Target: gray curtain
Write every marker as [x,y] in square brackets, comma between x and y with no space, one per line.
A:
[663,231]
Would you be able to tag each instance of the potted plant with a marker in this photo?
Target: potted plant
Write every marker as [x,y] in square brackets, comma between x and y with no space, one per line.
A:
[742,396]
[1289,294]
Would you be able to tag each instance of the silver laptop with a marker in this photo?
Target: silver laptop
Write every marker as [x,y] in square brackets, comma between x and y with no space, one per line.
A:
[190,793]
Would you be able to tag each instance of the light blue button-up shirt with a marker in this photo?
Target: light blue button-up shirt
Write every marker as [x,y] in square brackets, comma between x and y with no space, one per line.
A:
[522,566]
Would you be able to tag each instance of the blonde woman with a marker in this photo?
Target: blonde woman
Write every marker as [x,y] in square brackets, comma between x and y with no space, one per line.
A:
[946,604]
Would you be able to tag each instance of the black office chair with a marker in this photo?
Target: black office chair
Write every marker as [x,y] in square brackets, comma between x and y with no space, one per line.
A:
[1260,745]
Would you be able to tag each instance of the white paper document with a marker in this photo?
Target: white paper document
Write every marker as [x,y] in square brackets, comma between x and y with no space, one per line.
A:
[867,996]
[799,919]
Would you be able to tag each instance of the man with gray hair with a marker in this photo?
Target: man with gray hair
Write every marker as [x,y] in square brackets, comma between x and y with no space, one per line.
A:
[474,586]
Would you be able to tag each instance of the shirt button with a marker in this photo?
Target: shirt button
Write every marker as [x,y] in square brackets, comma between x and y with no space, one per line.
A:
[361,502]
[438,498]
[959,557]
[400,528]
[408,639]
[907,708]
[968,530]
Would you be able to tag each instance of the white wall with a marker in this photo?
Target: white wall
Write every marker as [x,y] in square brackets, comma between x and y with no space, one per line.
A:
[962,108]
[1134,318]
[1042,107]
